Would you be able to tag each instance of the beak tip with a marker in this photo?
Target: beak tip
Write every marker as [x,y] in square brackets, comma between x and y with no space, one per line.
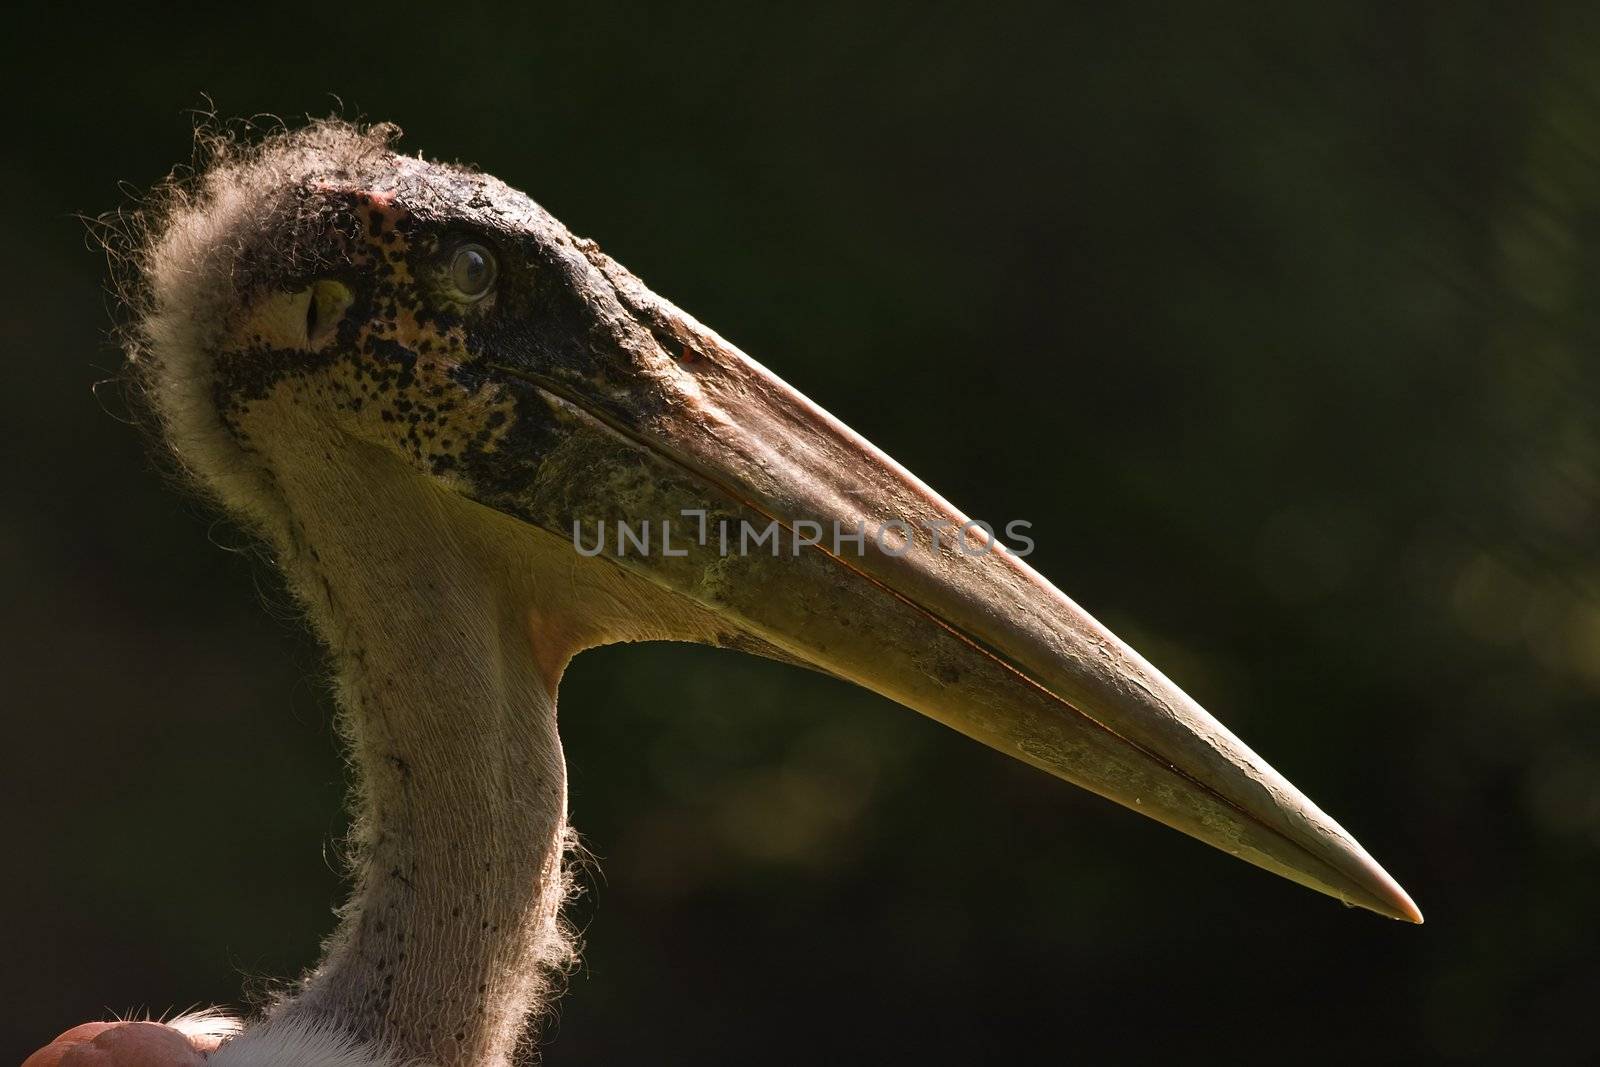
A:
[1400,907]
[1409,912]
[1387,897]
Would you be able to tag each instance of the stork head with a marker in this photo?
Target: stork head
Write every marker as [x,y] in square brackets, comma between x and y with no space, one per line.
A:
[320,296]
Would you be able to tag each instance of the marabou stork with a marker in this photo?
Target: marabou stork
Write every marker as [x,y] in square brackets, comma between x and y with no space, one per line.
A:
[417,387]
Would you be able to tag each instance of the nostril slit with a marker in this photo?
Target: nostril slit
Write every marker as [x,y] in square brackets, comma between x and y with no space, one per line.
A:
[311,315]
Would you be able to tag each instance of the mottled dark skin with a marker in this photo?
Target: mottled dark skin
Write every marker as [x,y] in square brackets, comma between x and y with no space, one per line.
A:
[446,382]
[538,400]
[406,355]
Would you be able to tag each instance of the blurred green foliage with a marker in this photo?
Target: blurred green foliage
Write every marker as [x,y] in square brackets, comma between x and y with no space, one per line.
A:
[1278,322]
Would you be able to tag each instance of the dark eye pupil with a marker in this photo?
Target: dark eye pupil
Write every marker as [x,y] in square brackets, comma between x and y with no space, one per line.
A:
[472,271]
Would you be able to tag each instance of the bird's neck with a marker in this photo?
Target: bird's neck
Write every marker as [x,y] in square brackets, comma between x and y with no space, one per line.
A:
[446,945]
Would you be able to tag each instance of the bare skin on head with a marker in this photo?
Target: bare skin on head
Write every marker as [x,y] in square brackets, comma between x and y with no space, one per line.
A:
[412,381]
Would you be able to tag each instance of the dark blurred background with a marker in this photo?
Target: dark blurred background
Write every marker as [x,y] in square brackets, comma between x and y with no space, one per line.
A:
[1281,326]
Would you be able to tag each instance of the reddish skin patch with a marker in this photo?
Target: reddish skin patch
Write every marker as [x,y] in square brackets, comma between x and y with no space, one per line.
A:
[382,199]
[381,209]
[122,1045]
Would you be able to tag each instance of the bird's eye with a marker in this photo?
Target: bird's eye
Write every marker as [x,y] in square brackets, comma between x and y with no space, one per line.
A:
[471,272]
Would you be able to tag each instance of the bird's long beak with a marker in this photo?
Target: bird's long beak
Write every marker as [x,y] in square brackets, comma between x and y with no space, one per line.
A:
[805,539]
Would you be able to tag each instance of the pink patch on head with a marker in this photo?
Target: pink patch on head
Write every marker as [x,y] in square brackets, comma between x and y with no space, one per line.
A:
[378,200]
[380,209]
